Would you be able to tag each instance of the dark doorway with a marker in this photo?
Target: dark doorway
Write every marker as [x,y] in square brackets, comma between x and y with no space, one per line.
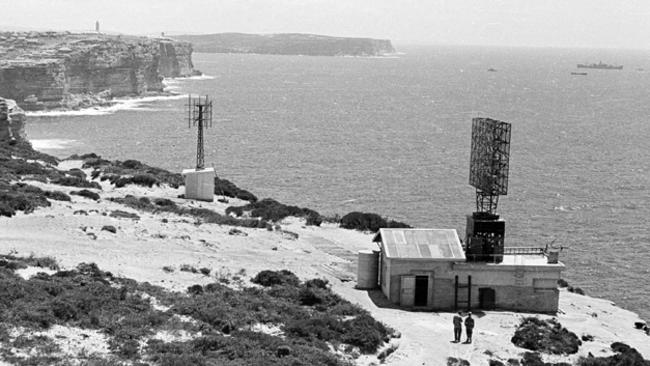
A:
[421,290]
[486,298]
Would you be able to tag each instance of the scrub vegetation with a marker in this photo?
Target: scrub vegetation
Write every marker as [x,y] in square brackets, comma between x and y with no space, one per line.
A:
[218,322]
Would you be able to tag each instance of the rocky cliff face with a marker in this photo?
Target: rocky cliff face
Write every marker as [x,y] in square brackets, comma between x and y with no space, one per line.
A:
[288,44]
[45,70]
[175,58]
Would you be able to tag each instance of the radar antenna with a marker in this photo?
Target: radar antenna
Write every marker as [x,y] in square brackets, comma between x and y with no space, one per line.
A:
[488,173]
[199,114]
[199,182]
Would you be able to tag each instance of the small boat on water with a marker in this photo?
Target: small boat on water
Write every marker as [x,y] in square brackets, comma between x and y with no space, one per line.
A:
[600,65]
[578,73]
[492,70]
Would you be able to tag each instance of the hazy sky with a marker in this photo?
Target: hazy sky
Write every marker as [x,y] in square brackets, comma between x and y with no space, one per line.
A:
[561,23]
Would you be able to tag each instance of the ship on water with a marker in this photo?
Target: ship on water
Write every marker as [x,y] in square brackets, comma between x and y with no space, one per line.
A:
[600,65]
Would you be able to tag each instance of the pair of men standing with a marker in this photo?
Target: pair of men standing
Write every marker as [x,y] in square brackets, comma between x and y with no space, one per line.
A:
[458,327]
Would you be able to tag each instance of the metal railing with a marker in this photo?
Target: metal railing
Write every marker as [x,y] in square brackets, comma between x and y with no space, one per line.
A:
[498,257]
[523,251]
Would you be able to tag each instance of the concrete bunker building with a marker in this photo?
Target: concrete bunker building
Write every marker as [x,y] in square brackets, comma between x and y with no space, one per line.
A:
[431,269]
[427,269]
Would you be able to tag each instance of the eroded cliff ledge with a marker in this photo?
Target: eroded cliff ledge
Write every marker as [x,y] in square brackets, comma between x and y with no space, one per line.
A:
[49,70]
[288,44]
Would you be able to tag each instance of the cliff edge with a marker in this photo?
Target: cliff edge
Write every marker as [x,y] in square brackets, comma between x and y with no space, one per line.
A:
[49,70]
[288,44]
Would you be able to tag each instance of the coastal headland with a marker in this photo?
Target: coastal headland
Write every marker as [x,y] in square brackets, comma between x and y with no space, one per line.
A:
[175,266]
[105,263]
[288,44]
[63,70]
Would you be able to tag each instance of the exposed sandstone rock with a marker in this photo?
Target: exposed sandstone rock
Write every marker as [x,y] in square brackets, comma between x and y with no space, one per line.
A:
[15,121]
[49,70]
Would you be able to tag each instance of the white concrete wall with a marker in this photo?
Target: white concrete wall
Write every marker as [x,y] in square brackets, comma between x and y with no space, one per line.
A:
[532,288]
[199,184]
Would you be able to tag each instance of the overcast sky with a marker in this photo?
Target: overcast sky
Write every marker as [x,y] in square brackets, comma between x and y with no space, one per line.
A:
[558,23]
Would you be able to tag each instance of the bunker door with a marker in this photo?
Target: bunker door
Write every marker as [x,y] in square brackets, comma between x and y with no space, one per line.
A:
[407,291]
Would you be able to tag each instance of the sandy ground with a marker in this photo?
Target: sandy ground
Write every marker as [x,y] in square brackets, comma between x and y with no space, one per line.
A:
[141,248]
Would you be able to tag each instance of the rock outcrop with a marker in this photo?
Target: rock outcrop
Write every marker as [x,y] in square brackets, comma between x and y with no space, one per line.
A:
[12,121]
[288,44]
[46,70]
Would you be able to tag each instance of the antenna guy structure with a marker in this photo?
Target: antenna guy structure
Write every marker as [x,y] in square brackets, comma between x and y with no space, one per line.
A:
[199,182]
[488,173]
[199,115]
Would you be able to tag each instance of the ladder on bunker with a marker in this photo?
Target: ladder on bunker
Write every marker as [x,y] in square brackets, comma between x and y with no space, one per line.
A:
[460,300]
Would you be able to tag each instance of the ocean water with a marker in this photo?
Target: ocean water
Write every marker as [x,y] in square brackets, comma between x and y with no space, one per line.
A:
[392,136]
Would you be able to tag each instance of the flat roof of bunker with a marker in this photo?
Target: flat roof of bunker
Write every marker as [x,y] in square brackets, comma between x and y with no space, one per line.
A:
[433,244]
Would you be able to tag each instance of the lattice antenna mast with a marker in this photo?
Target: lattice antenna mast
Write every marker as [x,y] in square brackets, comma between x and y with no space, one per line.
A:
[199,114]
[489,162]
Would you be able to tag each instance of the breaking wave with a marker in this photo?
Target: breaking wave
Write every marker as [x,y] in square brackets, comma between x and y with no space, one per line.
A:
[51,144]
[119,104]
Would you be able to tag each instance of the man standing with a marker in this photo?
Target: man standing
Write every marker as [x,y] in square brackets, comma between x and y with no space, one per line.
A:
[458,326]
[469,327]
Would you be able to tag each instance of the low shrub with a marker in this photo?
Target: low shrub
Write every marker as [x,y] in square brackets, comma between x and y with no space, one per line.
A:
[453,361]
[132,172]
[625,356]
[194,289]
[224,187]
[145,180]
[124,215]
[82,156]
[17,168]
[188,268]
[23,149]
[6,209]
[109,228]
[77,173]
[205,215]
[272,210]
[313,220]
[57,195]
[164,202]
[89,298]
[13,262]
[133,164]
[368,222]
[86,193]
[26,198]
[76,182]
[235,231]
[272,278]
[21,197]
[545,336]
[323,328]
[365,332]
[317,283]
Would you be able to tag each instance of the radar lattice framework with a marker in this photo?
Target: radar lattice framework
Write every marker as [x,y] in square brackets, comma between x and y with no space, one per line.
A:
[199,182]
[488,173]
